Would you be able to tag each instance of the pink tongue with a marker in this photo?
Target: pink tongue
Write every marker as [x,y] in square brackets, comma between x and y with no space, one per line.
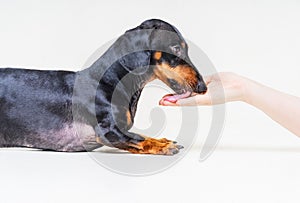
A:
[175,97]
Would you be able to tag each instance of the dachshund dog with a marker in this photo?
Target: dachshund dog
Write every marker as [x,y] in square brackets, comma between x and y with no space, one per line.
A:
[81,111]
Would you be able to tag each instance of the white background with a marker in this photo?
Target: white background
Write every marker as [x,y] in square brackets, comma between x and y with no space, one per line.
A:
[256,160]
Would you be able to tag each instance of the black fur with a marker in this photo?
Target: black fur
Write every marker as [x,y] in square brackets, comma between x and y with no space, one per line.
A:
[37,107]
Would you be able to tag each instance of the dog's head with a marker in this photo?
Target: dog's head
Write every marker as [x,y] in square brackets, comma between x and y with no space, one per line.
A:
[168,54]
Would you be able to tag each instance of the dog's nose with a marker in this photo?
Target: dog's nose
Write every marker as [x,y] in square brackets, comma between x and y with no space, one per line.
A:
[201,87]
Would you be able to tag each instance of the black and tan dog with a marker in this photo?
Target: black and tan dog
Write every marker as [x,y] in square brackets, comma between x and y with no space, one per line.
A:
[37,107]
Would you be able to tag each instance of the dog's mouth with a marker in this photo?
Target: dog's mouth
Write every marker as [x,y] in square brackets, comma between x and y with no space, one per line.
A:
[175,97]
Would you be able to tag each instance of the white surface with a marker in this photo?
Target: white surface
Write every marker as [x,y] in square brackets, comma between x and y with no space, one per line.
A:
[256,161]
[227,176]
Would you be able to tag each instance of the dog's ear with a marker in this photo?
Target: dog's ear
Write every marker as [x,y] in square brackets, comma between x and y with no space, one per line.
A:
[138,40]
[141,36]
[137,62]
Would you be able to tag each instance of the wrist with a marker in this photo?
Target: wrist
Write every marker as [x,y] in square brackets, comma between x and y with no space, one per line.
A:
[241,86]
[249,88]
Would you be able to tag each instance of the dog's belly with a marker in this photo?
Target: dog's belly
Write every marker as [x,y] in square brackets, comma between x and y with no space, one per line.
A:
[72,137]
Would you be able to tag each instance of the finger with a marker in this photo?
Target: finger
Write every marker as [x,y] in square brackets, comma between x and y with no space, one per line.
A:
[164,102]
[195,100]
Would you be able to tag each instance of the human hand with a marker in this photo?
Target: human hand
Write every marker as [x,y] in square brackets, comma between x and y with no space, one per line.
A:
[226,87]
[222,87]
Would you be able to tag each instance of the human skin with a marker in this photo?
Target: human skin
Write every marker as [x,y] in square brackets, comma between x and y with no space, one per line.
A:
[228,87]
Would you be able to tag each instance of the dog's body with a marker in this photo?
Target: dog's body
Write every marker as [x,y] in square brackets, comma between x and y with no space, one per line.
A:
[37,107]
[36,110]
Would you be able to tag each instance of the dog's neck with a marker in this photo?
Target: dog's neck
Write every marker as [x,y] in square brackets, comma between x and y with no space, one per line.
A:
[139,82]
[91,76]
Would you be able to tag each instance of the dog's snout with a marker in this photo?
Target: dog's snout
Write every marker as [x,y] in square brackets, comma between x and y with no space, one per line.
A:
[201,87]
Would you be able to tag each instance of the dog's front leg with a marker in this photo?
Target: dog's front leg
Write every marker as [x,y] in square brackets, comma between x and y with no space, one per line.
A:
[138,144]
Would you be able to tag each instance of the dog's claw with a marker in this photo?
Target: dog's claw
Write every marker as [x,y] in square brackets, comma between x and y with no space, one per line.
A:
[179,146]
[174,151]
[174,148]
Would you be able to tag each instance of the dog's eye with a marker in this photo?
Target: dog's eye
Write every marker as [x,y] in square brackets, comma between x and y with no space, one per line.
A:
[176,49]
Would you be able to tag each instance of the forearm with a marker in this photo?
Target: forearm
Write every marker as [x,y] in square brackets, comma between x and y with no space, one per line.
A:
[281,107]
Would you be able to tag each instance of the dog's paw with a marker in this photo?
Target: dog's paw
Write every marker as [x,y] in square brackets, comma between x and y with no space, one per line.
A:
[161,146]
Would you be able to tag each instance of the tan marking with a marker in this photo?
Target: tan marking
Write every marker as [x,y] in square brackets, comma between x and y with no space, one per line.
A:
[153,146]
[183,45]
[183,74]
[128,118]
[157,55]
[98,140]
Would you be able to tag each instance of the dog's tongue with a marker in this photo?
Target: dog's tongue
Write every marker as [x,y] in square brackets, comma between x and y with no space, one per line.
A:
[174,97]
